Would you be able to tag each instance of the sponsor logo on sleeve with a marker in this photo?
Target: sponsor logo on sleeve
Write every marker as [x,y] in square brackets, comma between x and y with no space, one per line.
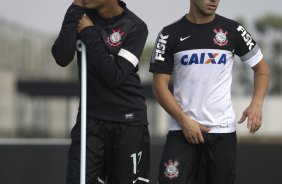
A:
[246,37]
[160,47]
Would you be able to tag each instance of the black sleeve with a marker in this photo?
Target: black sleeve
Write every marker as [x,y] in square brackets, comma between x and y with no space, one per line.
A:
[135,42]
[246,47]
[64,47]
[244,41]
[162,57]
[115,70]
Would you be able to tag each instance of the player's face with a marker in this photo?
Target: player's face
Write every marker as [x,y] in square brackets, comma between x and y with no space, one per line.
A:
[205,7]
[94,4]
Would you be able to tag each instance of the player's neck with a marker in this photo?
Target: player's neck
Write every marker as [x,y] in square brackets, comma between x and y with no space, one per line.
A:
[199,18]
[109,11]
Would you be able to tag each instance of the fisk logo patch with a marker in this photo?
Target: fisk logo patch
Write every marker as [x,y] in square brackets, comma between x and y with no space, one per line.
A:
[247,37]
[203,58]
[160,47]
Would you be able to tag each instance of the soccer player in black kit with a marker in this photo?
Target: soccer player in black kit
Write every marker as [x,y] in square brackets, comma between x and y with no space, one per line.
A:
[118,145]
[197,54]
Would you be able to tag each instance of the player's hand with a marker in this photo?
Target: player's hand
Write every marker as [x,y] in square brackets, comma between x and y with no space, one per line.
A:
[192,131]
[84,22]
[78,3]
[254,115]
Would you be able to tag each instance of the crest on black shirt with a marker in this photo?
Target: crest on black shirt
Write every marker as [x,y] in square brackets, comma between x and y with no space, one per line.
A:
[221,37]
[115,38]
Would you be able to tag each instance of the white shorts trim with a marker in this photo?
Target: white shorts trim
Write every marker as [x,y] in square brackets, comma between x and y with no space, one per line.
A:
[141,179]
[100,180]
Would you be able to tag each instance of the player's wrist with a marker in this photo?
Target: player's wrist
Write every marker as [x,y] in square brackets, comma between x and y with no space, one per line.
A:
[257,102]
[183,120]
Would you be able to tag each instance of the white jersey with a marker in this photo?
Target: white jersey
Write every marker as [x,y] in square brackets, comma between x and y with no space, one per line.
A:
[200,59]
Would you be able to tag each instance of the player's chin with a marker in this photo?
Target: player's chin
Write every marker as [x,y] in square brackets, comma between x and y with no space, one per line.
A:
[209,13]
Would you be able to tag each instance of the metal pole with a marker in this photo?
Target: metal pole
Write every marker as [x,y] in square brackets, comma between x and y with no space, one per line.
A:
[82,48]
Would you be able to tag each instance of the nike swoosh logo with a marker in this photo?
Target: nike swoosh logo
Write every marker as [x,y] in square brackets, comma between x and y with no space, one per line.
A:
[182,39]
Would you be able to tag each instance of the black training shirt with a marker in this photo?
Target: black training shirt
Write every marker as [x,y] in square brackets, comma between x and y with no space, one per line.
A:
[114,47]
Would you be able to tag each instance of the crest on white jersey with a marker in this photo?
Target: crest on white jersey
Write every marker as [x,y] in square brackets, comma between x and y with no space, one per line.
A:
[220,37]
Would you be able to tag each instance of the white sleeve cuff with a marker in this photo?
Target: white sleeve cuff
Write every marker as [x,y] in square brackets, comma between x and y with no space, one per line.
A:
[129,56]
[255,59]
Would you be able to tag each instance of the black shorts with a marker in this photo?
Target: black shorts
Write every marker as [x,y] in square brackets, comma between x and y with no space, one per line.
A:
[210,163]
[117,153]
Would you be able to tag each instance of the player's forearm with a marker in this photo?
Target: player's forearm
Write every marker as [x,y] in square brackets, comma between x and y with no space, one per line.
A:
[261,82]
[168,102]
[64,47]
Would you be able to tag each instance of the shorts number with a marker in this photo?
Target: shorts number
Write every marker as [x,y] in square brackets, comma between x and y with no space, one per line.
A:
[136,156]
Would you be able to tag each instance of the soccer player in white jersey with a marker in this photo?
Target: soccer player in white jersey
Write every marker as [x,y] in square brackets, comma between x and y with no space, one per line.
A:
[197,53]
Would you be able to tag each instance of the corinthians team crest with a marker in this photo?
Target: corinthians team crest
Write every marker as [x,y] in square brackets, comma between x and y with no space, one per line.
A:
[115,38]
[220,37]
[171,170]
